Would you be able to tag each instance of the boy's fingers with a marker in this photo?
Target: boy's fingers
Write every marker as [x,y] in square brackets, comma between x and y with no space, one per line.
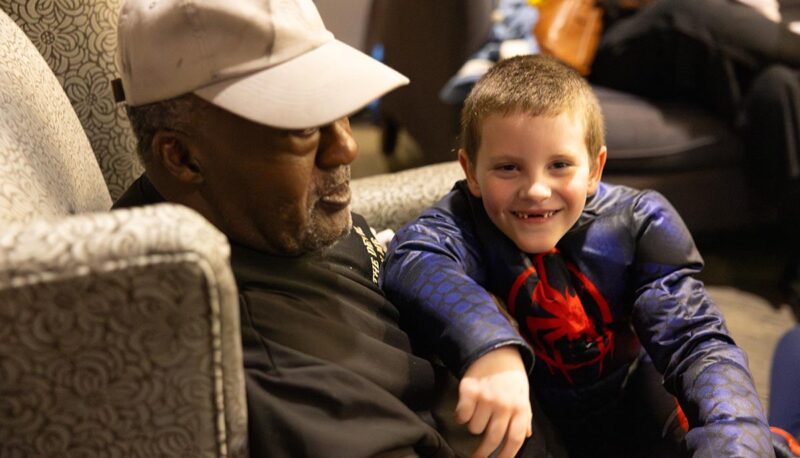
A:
[467,400]
[480,418]
[517,433]
[529,433]
[492,436]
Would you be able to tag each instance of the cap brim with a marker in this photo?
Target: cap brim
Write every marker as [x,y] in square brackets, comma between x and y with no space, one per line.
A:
[313,89]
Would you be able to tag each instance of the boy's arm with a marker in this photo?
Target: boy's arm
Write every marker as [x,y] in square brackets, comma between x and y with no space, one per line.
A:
[685,334]
[430,274]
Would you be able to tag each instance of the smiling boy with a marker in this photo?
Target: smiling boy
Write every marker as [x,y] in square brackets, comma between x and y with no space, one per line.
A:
[598,277]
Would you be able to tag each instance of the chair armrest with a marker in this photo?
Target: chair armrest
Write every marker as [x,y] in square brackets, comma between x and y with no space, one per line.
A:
[390,200]
[119,335]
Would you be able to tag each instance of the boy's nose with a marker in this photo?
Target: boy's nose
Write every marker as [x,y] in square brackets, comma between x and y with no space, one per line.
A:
[337,145]
[536,190]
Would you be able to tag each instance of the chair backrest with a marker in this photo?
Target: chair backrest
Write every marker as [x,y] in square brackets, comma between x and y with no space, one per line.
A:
[119,331]
[78,41]
[46,163]
[390,200]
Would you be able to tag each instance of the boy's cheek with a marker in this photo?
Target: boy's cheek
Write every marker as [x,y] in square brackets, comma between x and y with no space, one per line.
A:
[490,205]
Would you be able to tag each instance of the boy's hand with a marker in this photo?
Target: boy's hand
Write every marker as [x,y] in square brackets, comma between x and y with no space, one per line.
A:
[494,400]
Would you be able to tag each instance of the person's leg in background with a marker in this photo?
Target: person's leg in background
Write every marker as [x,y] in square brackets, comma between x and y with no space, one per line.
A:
[705,51]
[770,126]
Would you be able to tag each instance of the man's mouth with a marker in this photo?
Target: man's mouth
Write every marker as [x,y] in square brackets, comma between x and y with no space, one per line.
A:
[339,196]
[535,215]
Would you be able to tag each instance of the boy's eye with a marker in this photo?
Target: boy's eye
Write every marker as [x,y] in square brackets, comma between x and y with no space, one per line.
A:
[560,164]
[506,167]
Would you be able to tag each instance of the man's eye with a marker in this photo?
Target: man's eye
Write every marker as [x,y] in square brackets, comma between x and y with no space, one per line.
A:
[304,132]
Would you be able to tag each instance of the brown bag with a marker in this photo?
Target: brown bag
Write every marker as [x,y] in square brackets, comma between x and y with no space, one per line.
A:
[570,30]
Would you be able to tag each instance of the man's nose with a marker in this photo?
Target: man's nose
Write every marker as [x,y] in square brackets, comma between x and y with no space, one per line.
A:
[337,145]
[536,190]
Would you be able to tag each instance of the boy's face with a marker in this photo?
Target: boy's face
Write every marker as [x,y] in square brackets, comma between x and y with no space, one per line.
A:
[534,175]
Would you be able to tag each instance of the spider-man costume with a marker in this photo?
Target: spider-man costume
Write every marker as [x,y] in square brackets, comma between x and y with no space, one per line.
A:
[619,282]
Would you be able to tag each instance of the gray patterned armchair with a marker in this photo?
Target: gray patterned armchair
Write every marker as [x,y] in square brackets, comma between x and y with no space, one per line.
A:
[119,331]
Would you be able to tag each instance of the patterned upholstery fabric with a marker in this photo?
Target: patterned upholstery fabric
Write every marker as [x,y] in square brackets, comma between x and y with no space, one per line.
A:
[119,331]
[78,40]
[46,163]
[390,200]
[113,329]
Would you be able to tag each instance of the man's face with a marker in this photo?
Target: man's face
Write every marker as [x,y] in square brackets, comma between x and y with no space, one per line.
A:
[533,174]
[280,191]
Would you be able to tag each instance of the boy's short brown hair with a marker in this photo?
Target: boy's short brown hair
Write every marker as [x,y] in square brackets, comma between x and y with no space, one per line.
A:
[537,85]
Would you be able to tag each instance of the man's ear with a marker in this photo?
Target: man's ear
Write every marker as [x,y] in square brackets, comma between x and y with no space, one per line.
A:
[178,156]
[596,173]
[469,171]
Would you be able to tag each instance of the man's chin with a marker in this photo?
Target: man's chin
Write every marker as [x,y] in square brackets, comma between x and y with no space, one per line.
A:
[328,231]
[319,233]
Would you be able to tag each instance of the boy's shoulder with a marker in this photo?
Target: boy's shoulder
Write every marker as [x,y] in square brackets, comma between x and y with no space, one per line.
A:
[626,208]
[615,198]
[458,203]
[453,214]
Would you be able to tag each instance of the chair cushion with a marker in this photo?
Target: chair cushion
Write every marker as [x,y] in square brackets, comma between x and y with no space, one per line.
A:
[646,136]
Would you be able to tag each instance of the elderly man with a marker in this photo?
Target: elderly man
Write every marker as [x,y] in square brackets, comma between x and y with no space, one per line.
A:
[240,108]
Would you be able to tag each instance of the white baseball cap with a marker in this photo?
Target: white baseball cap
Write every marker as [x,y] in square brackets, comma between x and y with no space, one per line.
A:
[270,61]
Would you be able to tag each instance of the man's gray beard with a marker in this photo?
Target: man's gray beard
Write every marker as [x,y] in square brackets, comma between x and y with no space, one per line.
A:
[316,239]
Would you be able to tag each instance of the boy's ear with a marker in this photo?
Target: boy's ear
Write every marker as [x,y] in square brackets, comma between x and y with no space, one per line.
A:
[596,173]
[469,171]
[178,155]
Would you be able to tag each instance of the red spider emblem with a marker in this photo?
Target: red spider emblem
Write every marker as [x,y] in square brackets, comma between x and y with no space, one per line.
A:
[554,318]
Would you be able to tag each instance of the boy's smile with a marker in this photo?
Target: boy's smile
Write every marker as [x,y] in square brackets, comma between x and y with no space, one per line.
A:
[534,175]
